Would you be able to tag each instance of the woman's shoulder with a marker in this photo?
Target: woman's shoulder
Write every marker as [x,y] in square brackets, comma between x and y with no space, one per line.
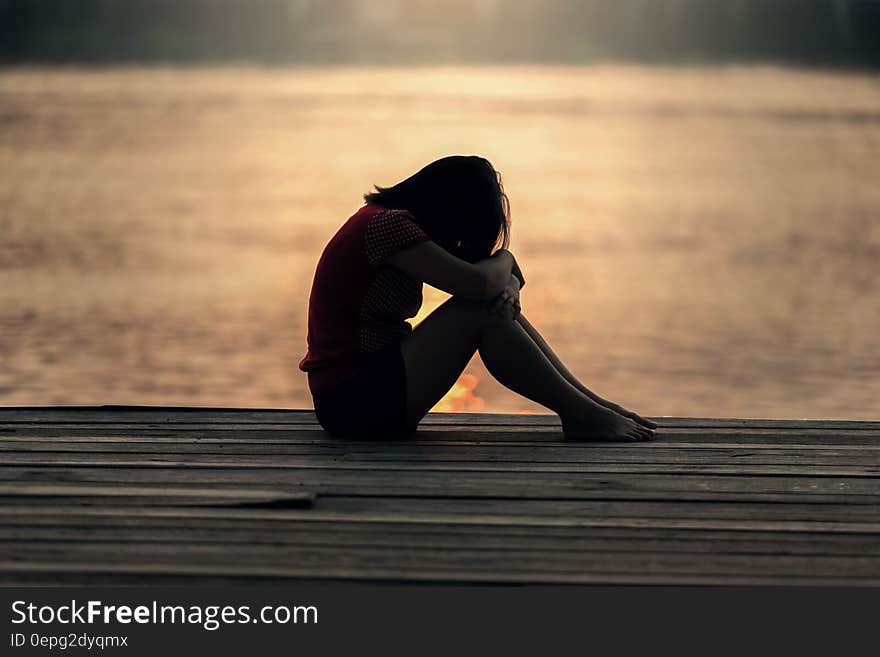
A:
[372,219]
[373,211]
[374,222]
[378,219]
[387,231]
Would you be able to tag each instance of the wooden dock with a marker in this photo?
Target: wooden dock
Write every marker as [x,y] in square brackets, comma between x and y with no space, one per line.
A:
[169,495]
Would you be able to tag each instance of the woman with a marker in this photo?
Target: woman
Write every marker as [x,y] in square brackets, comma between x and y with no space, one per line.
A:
[370,373]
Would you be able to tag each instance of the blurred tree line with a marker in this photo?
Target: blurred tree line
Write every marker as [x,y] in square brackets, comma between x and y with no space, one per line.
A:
[813,32]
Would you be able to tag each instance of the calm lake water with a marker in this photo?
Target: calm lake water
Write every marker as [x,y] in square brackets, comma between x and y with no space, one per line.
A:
[696,241]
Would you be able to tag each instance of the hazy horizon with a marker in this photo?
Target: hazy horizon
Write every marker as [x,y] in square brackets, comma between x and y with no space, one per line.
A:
[840,33]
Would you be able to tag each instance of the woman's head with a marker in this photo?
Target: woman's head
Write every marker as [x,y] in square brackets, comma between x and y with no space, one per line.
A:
[458,200]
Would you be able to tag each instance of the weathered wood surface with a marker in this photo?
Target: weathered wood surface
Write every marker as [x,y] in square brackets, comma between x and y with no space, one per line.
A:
[128,494]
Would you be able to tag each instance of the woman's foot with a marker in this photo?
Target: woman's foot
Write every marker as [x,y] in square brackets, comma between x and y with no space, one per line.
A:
[604,425]
[635,417]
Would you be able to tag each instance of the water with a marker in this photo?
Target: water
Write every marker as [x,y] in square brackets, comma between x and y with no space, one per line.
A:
[696,241]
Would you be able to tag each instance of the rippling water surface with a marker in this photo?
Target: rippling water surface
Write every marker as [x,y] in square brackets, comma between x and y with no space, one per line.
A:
[696,241]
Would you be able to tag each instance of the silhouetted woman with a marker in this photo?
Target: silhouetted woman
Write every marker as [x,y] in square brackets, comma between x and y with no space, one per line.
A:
[370,373]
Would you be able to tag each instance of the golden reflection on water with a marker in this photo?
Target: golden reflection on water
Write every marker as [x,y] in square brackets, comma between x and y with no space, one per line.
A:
[696,241]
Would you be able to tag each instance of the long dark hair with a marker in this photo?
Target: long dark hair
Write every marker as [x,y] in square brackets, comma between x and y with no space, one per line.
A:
[458,200]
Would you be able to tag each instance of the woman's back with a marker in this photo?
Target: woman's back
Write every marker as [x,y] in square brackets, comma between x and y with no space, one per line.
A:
[358,305]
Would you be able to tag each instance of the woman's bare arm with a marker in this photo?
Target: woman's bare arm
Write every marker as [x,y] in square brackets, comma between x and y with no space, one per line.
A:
[431,263]
[516,271]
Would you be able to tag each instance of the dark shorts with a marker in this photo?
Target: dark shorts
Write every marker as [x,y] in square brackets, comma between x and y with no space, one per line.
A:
[372,404]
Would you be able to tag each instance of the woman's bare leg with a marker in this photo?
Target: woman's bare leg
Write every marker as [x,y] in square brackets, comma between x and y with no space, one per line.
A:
[572,379]
[440,347]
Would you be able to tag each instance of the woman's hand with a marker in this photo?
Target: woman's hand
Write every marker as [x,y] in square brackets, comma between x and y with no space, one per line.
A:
[514,268]
[507,303]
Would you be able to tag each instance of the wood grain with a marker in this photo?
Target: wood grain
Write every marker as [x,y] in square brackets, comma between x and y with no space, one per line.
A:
[173,495]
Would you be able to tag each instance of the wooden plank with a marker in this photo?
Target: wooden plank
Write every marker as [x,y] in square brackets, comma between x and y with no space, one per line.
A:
[447,564]
[533,513]
[278,471]
[460,558]
[56,574]
[293,441]
[426,428]
[390,482]
[245,433]
[159,495]
[545,436]
[773,515]
[664,421]
[405,536]
[98,414]
[38,509]
[279,416]
[96,509]
[340,463]
[453,454]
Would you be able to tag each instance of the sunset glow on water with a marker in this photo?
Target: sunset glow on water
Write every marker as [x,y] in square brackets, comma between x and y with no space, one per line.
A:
[698,242]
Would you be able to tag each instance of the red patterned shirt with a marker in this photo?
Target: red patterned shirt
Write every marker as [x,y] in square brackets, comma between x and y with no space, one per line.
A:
[359,305]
